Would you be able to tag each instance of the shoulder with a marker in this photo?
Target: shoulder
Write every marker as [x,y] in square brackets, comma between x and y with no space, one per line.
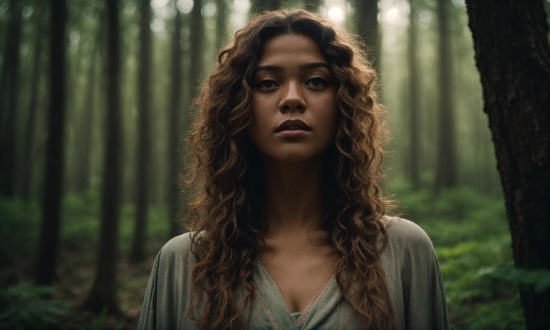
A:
[177,249]
[407,244]
[406,234]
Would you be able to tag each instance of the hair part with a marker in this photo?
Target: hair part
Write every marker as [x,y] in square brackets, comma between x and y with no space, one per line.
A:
[227,173]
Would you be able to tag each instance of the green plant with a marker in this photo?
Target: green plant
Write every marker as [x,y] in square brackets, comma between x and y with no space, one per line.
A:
[27,307]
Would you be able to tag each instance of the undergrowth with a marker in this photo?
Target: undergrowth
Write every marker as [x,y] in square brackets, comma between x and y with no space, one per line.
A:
[469,231]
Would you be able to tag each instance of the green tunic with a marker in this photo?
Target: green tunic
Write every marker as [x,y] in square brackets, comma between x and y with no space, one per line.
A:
[409,262]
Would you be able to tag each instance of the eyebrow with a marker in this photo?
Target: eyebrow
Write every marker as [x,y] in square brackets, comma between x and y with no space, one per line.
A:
[303,67]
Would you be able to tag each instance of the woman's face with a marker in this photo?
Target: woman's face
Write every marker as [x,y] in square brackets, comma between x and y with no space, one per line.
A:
[293,100]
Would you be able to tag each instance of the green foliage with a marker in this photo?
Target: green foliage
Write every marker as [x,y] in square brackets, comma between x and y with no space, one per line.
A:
[19,223]
[26,307]
[472,240]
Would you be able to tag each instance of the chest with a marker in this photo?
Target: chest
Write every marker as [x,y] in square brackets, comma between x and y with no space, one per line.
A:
[299,275]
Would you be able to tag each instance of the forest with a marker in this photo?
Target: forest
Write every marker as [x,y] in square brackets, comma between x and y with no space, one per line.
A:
[96,101]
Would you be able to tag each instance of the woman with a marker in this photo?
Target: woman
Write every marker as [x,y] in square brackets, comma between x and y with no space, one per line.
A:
[288,228]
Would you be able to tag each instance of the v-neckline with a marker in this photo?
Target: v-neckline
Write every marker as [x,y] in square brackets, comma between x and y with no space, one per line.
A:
[278,305]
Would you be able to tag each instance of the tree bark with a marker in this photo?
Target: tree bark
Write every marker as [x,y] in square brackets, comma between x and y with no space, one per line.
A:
[415,142]
[174,113]
[8,99]
[513,57]
[137,253]
[366,18]
[53,186]
[103,292]
[447,172]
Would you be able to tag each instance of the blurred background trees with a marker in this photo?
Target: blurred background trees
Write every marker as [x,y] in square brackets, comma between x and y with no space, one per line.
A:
[131,73]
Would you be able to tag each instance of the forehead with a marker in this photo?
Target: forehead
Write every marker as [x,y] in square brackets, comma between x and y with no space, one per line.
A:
[287,48]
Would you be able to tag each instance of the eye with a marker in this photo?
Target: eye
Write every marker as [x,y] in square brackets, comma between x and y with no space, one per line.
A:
[267,85]
[317,83]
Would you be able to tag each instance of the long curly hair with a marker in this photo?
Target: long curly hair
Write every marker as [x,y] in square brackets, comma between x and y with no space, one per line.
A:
[227,176]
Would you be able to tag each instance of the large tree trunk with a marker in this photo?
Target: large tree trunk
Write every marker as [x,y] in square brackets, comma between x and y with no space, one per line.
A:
[103,292]
[8,99]
[415,146]
[174,113]
[447,173]
[51,199]
[513,58]
[30,125]
[137,253]
[366,17]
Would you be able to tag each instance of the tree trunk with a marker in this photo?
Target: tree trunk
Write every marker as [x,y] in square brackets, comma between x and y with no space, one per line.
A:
[137,253]
[196,57]
[30,125]
[8,100]
[446,173]
[83,159]
[513,58]
[174,113]
[103,292]
[221,24]
[51,199]
[415,142]
[366,16]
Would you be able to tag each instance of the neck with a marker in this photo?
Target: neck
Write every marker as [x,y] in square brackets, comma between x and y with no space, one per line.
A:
[293,197]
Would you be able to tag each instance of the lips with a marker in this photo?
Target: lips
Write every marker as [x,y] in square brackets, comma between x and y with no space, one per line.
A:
[293,125]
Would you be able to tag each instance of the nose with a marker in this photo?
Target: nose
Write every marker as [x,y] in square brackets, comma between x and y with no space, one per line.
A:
[292,98]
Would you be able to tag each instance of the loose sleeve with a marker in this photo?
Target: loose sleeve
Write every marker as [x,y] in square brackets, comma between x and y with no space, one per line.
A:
[168,294]
[149,307]
[414,278]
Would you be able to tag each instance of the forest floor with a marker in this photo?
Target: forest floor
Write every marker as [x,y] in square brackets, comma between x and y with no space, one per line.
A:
[74,279]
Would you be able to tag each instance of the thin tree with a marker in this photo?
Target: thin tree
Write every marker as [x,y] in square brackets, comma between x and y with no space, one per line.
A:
[53,186]
[174,114]
[366,18]
[8,99]
[137,253]
[30,124]
[196,55]
[221,24]
[83,159]
[103,292]
[312,5]
[85,125]
[415,146]
[447,172]
[513,58]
